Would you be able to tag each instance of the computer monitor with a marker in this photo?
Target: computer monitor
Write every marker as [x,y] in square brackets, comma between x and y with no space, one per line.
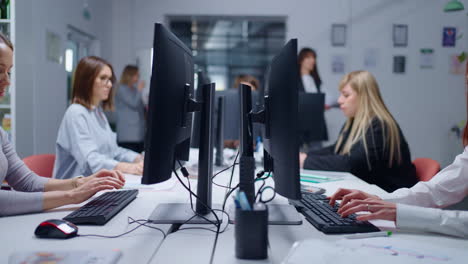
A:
[169,126]
[312,117]
[231,118]
[202,79]
[281,142]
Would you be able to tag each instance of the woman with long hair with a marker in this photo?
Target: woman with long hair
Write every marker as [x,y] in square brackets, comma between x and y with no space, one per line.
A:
[418,207]
[85,141]
[370,144]
[34,193]
[312,83]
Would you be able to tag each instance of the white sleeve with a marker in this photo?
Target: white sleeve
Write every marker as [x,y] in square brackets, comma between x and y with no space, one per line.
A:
[448,187]
[454,223]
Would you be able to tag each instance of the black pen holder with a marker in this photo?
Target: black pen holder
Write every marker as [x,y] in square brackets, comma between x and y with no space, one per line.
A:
[251,234]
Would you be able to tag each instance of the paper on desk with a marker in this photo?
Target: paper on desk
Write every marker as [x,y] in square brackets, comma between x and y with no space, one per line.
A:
[134,182]
[373,250]
[332,187]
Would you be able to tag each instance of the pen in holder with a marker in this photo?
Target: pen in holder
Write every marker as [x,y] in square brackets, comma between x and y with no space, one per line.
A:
[251,232]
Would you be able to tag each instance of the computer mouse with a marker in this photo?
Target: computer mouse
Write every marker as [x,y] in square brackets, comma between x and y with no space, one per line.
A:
[56,228]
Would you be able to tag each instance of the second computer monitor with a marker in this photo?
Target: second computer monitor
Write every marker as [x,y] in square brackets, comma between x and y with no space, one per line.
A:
[281,140]
[231,119]
[169,117]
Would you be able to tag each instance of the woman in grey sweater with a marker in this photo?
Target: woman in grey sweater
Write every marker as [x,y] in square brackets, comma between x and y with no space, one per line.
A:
[85,141]
[130,110]
[32,192]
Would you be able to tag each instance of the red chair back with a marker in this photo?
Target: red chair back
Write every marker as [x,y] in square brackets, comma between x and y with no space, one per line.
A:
[42,164]
[426,168]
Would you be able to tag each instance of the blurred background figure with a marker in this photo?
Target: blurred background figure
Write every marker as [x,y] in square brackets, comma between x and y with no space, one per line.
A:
[247,79]
[312,83]
[130,110]
[234,96]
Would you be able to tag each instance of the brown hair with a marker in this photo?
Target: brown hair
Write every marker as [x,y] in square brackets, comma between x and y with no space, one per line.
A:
[127,74]
[465,130]
[304,53]
[83,82]
[249,79]
[4,39]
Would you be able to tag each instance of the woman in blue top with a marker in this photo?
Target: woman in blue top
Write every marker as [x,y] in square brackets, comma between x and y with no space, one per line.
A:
[85,142]
[34,193]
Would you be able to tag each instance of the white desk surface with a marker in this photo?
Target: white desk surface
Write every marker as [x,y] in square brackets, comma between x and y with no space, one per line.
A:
[146,245]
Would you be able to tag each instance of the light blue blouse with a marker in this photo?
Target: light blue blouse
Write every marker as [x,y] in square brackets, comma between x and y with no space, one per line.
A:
[86,144]
[28,186]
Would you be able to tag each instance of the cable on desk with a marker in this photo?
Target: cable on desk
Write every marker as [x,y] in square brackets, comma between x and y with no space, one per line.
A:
[130,221]
[192,193]
[208,229]
[225,169]
[263,188]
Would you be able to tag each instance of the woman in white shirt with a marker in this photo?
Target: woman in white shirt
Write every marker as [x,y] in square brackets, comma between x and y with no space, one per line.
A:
[418,207]
[85,141]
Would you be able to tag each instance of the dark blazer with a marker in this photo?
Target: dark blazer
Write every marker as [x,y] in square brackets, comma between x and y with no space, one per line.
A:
[305,137]
[374,169]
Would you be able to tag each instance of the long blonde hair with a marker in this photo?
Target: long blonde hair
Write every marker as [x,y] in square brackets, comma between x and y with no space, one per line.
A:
[371,105]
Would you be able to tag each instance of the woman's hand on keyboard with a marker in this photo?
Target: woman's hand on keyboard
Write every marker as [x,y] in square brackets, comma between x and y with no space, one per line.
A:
[102,180]
[347,195]
[377,208]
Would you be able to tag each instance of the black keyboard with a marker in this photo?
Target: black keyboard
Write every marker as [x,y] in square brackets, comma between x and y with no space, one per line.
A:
[321,215]
[102,208]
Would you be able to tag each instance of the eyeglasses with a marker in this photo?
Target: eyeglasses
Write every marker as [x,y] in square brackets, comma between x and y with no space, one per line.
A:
[105,81]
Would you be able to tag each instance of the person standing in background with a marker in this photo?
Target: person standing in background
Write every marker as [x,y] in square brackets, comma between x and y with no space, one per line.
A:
[130,110]
[312,83]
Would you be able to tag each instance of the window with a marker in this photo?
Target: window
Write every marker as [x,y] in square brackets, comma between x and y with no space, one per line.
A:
[226,47]
[78,46]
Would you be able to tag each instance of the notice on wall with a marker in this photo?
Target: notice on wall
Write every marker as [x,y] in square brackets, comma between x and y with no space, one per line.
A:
[449,36]
[54,47]
[370,58]
[338,64]
[399,64]
[455,66]
[426,58]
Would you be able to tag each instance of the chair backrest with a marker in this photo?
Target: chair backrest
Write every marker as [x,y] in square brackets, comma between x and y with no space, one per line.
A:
[426,168]
[42,164]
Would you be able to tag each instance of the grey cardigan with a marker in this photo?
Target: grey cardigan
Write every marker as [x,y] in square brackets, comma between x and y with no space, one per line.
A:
[86,144]
[130,113]
[28,186]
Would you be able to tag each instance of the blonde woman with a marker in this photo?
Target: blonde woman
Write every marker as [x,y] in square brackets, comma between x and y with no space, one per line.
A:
[370,145]
[419,207]
[130,110]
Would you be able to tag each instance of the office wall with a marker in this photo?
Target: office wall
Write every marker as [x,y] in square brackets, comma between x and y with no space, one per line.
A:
[425,102]
[41,84]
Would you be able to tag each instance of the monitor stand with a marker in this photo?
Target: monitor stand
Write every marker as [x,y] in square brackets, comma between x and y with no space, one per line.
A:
[180,213]
[278,214]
